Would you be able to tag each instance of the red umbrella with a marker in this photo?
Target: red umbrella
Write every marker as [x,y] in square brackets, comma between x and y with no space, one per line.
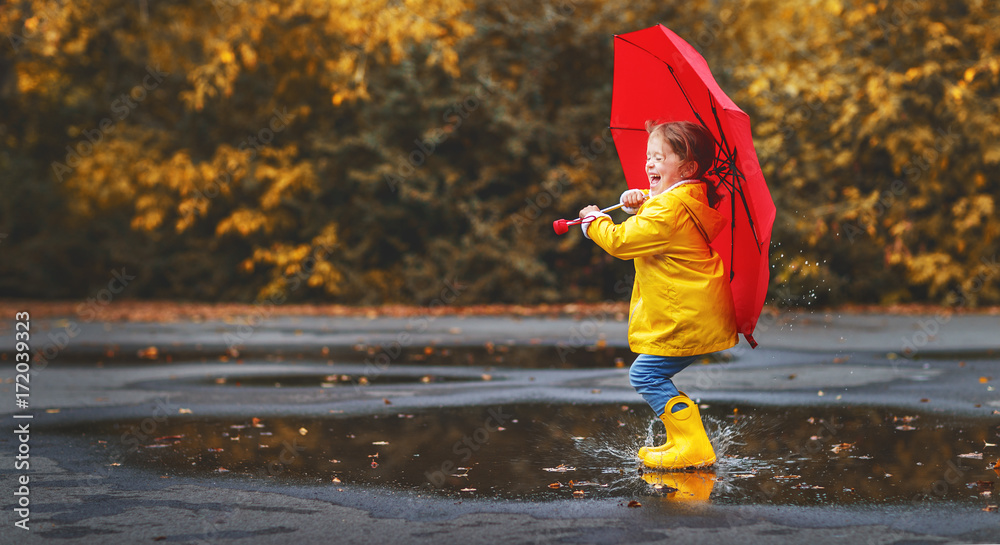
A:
[661,77]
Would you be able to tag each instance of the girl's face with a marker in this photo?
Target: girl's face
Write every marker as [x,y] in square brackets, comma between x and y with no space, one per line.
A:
[663,167]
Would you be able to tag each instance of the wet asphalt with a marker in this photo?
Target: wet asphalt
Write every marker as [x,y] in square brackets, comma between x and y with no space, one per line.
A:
[82,490]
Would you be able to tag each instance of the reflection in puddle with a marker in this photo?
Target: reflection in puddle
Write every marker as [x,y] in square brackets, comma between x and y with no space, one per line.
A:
[337,379]
[501,355]
[766,454]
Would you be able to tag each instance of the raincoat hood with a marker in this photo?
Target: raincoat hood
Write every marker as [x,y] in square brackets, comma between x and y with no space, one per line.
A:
[707,220]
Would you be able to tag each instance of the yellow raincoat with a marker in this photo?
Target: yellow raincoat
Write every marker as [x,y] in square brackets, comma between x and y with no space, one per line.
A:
[682,304]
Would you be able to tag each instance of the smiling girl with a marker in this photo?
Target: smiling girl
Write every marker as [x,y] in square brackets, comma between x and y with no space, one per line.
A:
[682,304]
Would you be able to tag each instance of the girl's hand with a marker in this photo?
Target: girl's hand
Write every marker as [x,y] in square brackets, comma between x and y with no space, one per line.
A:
[589,210]
[633,198]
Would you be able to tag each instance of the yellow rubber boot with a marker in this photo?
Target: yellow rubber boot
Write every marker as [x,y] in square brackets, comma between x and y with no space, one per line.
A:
[643,451]
[659,448]
[691,447]
[694,486]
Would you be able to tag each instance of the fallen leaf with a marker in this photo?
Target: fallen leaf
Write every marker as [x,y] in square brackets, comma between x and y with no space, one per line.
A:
[222,470]
[336,480]
[578,493]
[984,380]
[595,391]
[149,353]
[556,485]
[303,431]
[990,508]
[374,464]
[634,503]
[842,447]
[386,401]
[184,411]
[561,468]
[487,377]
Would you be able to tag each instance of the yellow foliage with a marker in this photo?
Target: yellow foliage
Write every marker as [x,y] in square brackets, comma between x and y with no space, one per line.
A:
[244,222]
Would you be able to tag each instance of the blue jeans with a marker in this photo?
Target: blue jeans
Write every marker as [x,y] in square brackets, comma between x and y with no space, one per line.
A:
[650,376]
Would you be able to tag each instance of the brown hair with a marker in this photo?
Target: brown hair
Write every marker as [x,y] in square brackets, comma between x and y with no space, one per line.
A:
[690,142]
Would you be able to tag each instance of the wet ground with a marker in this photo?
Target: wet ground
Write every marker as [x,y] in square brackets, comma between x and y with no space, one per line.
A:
[474,429]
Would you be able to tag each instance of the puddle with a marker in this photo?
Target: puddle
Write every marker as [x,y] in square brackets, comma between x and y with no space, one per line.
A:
[486,355]
[494,355]
[802,456]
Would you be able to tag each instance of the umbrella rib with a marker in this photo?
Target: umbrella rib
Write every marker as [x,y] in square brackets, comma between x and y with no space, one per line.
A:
[737,175]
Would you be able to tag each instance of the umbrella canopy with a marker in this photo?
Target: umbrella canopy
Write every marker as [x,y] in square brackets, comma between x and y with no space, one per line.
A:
[660,77]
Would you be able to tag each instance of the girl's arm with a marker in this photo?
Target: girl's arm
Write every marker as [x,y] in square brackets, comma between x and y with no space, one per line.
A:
[648,233]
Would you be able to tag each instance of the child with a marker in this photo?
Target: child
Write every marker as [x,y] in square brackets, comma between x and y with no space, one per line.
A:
[682,305]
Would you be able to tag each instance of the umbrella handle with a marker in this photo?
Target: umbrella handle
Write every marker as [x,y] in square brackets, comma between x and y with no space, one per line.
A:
[561,227]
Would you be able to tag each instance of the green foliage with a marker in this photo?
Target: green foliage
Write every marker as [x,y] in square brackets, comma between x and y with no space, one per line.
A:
[376,152]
